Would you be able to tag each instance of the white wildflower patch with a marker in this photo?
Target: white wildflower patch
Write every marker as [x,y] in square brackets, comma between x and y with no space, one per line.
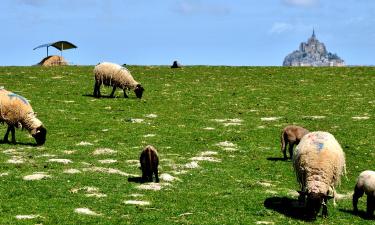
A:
[270,118]
[27,217]
[37,176]
[314,117]
[107,161]
[137,202]
[151,115]
[348,195]
[133,120]
[360,117]
[264,184]
[208,128]
[69,101]
[135,195]
[292,193]
[191,165]
[105,130]
[167,177]
[84,143]
[46,155]
[69,152]
[108,171]
[265,222]
[152,186]
[226,144]
[63,161]
[86,211]
[4,174]
[104,151]
[229,122]
[205,158]
[71,171]
[89,192]
[208,153]
[149,135]
[16,160]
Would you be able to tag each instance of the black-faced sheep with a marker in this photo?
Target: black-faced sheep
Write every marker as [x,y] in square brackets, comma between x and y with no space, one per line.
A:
[16,111]
[291,135]
[111,74]
[319,162]
[365,184]
[149,163]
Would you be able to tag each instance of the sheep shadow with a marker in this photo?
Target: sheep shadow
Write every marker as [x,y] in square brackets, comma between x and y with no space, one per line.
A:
[2,142]
[101,96]
[287,206]
[275,159]
[360,213]
[135,180]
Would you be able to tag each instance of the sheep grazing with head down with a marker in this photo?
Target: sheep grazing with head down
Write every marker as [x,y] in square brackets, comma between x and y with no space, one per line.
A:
[16,112]
[319,162]
[111,74]
[290,136]
[365,184]
[149,163]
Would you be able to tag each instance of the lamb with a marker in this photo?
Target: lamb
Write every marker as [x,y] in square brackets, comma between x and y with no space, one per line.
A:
[319,162]
[16,112]
[365,184]
[149,163]
[291,135]
[111,74]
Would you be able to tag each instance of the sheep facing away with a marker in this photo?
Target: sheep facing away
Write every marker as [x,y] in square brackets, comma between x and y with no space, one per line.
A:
[111,74]
[319,162]
[290,136]
[16,112]
[365,184]
[149,163]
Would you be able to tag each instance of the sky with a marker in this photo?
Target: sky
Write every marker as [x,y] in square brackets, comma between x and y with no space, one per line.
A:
[194,32]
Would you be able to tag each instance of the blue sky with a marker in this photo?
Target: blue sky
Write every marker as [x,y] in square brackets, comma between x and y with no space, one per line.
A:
[194,32]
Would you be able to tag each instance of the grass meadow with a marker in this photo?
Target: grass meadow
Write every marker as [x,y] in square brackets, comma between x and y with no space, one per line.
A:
[217,130]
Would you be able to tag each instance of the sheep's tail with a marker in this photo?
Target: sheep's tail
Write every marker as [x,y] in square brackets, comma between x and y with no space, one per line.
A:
[282,138]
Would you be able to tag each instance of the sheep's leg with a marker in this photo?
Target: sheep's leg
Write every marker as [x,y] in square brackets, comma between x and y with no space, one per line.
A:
[125,95]
[144,176]
[6,134]
[113,92]
[358,192]
[97,90]
[156,175]
[291,146]
[370,205]
[13,132]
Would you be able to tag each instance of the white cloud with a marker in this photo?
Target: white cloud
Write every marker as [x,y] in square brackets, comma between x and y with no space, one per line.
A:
[279,27]
[196,6]
[301,3]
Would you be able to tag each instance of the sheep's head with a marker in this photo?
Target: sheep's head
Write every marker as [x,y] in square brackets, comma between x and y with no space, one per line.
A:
[40,135]
[314,203]
[139,90]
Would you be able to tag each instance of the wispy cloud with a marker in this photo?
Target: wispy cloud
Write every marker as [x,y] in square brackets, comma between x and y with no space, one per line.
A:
[34,3]
[280,27]
[199,7]
[301,3]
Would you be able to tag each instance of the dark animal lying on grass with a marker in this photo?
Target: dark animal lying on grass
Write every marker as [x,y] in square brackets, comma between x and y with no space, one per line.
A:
[365,184]
[16,112]
[291,135]
[149,164]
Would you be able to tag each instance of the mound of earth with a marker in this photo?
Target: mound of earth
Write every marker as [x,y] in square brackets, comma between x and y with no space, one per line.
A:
[53,60]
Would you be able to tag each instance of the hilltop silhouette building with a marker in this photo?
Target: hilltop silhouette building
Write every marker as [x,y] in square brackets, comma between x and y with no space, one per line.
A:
[312,53]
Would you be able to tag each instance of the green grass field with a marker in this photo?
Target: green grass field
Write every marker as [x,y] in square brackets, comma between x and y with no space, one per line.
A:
[225,120]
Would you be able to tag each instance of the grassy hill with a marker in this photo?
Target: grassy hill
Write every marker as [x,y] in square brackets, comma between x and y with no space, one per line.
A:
[217,131]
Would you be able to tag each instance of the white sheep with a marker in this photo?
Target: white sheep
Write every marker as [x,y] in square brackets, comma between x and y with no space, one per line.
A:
[319,162]
[291,136]
[16,111]
[111,74]
[365,184]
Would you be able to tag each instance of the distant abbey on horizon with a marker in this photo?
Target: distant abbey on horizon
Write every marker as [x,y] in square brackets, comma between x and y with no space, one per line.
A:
[312,53]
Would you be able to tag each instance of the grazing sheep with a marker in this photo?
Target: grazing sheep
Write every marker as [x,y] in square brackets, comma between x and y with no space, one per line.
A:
[319,162]
[16,111]
[291,135]
[114,75]
[365,184]
[149,163]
